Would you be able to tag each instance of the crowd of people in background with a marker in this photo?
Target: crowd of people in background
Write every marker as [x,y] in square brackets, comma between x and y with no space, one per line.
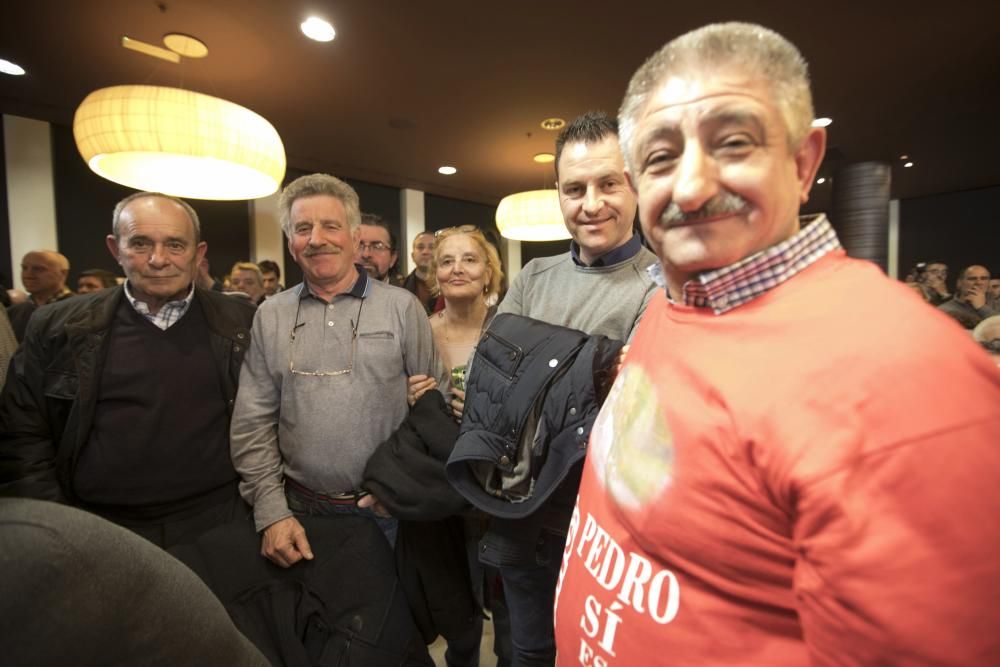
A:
[974,303]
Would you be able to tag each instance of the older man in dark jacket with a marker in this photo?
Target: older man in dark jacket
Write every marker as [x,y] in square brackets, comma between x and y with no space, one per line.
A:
[119,402]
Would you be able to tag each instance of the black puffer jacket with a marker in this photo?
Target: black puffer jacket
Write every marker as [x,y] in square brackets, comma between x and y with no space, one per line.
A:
[533,393]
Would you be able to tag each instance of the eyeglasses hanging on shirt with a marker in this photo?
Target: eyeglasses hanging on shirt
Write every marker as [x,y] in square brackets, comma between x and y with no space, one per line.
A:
[317,373]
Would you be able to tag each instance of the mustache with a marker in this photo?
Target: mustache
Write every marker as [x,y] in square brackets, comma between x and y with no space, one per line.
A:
[322,250]
[723,203]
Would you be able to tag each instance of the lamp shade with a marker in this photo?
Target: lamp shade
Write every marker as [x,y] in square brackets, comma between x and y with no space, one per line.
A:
[531,216]
[178,142]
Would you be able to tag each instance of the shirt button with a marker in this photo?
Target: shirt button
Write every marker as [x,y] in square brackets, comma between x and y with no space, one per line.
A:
[330,306]
[579,430]
[553,363]
[504,461]
[236,348]
[330,323]
[572,411]
[240,336]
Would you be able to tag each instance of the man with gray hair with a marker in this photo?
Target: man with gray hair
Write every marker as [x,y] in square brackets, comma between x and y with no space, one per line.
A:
[783,473]
[119,400]
[324,354]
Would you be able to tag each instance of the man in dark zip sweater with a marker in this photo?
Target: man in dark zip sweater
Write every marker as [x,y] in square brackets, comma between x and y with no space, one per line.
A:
[119,402]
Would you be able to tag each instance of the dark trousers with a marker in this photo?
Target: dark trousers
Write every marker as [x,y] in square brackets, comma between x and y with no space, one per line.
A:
[183,527]
[464,651]
[304,505]
[529,592]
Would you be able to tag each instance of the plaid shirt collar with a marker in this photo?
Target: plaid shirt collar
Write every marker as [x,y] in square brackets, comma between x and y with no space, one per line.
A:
[169,313]
[734,285]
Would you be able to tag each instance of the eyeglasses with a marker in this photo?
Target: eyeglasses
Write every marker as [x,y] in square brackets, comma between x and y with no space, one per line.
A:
[291,346]
[376,246]
[461,229]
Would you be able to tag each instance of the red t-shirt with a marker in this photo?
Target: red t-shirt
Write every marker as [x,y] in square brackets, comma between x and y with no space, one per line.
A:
[810,478]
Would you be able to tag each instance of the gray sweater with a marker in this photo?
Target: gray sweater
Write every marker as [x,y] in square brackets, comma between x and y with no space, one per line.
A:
[606,300]
[320,430]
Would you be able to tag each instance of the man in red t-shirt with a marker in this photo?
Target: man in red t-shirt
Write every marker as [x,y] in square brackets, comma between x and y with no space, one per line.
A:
[785,472]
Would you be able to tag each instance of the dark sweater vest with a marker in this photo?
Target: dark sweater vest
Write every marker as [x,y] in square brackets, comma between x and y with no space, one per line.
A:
[160,438]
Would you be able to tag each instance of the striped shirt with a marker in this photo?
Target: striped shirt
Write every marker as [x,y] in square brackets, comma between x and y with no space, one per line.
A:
[732,286]
[168,314]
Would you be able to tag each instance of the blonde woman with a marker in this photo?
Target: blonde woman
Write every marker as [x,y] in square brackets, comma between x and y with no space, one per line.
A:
[467,273]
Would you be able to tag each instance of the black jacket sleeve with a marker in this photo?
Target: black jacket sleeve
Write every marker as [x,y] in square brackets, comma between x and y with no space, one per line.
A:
[32,401]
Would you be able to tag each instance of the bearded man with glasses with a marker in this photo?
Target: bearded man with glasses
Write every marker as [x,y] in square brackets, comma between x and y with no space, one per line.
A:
[376,251]
[325,383]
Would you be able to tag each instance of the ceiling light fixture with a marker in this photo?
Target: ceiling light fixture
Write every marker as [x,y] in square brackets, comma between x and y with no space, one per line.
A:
[447,170]
[185,45]
[820,181]
[553,124]
[821,122]
[318,29]
[908,164]
[178,142]
[150,49]
[7,67]
[531,216]
[904,157]
[544,158]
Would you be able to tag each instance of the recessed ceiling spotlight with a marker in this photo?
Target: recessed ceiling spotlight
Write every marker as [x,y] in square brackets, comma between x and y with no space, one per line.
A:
[7,67]
[820,181]
[904,157]
[318,29]
[553,124]
[542,158]
[908,164]
[821,122]
[447,171]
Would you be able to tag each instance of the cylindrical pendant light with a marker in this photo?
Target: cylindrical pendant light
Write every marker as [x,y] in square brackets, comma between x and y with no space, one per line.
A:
[531,216]
[179,142]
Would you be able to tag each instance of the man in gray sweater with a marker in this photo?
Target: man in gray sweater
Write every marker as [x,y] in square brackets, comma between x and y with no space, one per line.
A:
[600,286]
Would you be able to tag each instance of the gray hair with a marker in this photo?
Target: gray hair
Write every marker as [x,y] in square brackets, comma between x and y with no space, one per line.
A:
[318,184]
[746,47]
[120,207]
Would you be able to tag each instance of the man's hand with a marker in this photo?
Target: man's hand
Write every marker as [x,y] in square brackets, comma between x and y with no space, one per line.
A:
[975,296]
[936,282]
[417,386]
[284,543]
[372,501]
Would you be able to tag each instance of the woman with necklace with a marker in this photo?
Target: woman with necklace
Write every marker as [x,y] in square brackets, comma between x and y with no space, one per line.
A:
[467,273]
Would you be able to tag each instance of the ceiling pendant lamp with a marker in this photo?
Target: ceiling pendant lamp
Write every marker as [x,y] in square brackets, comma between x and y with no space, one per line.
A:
[531,216]
[178,142]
